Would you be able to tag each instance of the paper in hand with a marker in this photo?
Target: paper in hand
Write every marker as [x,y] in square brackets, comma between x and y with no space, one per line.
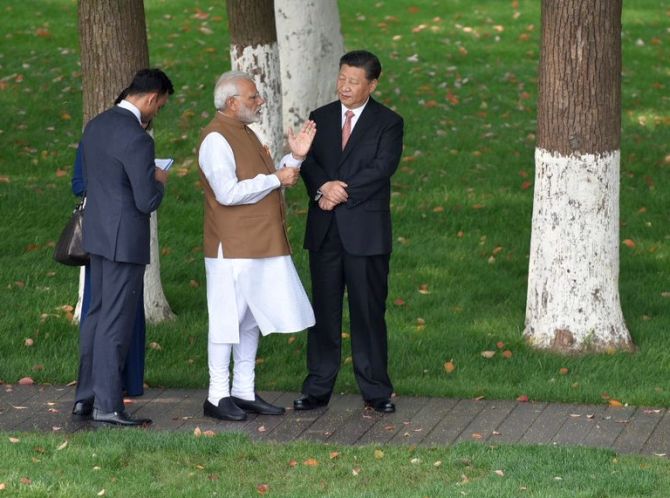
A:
[164,164]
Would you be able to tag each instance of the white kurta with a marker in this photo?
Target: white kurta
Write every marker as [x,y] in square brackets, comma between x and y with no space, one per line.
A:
[270,287]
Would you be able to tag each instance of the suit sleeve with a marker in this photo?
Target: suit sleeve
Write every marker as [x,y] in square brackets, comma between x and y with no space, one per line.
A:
[366,182]
[312,171]
[78,181]
[139,165]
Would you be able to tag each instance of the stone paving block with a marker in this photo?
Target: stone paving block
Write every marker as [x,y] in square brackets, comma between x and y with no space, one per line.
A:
[49,407]
[636,433]
[340,409]
[659,441]
[261,427]
[580,422]
[166,409]
[547,424]
[517,422]
[354,427]
[424,421]
[392,423]
[608,426]
[453,423]
[487,421]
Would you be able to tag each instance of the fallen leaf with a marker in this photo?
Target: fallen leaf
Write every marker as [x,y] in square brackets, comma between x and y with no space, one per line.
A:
[563,371]
[62,446]
[355,471]
[26,381]
[507,354]
[488,354]
[28,342]
[399,302]
[311,462]
[615,402]
[379,454]
[292,463]
[25,480]
[449,366]
[155,346]
[423,289]
[14,440]
[500,344]
[262,488]
[209,433]
[334,454]
[477,435]
[437,463]
[197,432]
[629,243]
[500,473]
[415,461]
[3,486]
[291,339]
[522,399]
[101,492]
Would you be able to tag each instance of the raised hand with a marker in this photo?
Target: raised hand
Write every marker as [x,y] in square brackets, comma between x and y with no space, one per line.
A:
[300,143]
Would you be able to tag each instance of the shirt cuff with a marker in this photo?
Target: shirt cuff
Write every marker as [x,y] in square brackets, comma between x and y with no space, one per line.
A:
[289,161]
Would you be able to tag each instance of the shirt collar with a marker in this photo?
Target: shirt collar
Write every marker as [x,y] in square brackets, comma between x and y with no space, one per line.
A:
[124,104]
[357,112]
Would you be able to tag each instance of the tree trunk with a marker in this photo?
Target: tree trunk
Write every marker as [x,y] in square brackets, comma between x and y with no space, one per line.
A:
[573,301]
[310,47]
[113,44]
[254,50]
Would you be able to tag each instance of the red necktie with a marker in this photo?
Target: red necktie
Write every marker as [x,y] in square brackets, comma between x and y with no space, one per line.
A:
[346,129]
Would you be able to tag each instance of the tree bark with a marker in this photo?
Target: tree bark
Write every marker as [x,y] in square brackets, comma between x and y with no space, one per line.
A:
[310,47]
[573,300]
[254,50]
[113,45]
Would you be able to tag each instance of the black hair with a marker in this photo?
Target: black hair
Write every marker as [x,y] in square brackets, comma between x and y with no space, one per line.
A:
[149,80]
[363,59]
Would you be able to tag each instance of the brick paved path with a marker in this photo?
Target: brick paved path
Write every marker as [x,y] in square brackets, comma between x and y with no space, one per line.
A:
[420,421]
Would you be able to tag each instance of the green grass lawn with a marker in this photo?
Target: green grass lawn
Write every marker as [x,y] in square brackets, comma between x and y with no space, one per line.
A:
[463,75]
[140,463]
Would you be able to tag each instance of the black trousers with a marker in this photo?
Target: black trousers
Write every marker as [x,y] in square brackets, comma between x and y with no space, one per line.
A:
[366,280]
[104,338]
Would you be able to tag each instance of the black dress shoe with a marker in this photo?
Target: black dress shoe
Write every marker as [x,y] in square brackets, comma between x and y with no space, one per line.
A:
[307,402]
[381,405]
[83,408]
[258,405]
[226,410]
[118,418]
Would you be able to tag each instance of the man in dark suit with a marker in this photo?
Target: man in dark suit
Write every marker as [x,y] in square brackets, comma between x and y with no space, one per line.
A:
[123,188]
[347,174]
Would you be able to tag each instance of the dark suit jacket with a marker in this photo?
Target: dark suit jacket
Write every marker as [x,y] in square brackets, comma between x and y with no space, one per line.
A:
[366,165]
[118,158]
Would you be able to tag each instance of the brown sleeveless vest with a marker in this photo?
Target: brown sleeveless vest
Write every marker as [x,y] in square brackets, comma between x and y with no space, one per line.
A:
[250,230]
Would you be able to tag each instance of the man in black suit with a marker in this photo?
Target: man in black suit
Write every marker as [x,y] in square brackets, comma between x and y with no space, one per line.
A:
[123,188]
[348,178]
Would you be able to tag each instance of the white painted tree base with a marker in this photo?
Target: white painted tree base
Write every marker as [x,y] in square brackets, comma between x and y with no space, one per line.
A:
[262,62]
[573,301]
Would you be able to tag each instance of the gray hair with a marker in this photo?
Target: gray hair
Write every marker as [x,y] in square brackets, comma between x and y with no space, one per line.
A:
[226,87]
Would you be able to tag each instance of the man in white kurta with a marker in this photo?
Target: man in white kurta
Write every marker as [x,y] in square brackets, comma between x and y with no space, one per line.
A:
[246,295]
